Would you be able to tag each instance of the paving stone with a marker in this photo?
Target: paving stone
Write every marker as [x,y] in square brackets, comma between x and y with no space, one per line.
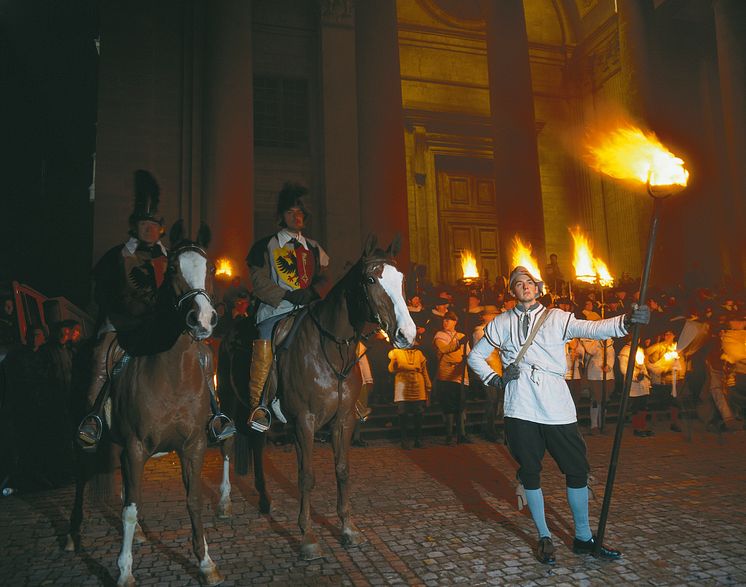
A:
[437,516]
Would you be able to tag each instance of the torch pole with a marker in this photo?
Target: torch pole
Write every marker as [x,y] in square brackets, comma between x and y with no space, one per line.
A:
[635,334]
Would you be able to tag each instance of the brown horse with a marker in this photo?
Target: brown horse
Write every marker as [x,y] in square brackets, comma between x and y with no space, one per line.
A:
[160,401]
[316,379]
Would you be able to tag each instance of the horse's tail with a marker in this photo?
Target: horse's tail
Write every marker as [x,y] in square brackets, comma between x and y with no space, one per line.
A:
[243,453]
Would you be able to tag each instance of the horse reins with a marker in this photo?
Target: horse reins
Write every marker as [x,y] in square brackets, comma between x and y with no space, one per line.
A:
[373,316]
[191,293]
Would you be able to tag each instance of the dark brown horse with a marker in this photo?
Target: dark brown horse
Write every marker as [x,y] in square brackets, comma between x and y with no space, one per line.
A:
[316,378]
[160,401]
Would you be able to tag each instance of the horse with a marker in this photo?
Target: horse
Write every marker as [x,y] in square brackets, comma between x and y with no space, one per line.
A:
[316,380]
[160,401]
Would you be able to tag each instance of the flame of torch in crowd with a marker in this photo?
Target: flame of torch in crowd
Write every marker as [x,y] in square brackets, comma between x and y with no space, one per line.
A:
[522,256]
[587,267]
[469,265]
[223,268]
[629,153]
[639,357]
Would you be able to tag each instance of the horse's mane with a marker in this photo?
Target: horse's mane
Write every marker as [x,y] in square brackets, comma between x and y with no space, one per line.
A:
[160,330]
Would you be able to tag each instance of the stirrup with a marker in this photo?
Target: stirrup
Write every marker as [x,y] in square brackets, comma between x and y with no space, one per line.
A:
[362,413]
[228,428]
[86,441]
[256,424]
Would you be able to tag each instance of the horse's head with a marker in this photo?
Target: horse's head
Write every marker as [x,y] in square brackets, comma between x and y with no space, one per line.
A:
[383,287]
[190,274]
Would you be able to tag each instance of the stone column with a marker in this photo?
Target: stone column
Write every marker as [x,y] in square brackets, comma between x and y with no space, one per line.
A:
[227,202]
[636,58]
[730,25]
[340,205]
[383,170]
[514,129]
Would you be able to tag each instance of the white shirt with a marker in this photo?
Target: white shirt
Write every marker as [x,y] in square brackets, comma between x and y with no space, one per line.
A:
[540,393]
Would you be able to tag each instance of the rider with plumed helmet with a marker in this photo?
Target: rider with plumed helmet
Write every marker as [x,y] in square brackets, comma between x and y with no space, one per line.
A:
[126,281]
[287,272]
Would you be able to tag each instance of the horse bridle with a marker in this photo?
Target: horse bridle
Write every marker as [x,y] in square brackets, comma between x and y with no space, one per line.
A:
[373,316]
[195,292]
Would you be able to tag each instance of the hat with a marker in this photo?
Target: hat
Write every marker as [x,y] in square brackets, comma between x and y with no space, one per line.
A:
[291,196]
[432,302]
[520,271]
[147,198]
[450,316]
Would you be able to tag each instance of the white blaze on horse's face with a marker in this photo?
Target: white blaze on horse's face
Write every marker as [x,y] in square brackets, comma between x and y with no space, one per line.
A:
[391,280]
[202,319]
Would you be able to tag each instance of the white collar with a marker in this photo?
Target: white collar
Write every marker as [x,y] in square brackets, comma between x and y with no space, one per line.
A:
[284,237]
[131,246]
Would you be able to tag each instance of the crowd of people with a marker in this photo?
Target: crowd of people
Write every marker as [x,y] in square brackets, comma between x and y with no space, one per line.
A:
[287,269]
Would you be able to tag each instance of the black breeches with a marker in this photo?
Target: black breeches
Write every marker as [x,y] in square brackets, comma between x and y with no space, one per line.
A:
[528,441]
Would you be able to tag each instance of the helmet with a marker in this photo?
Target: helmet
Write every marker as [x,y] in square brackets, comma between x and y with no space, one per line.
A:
[147,197]
[291,196]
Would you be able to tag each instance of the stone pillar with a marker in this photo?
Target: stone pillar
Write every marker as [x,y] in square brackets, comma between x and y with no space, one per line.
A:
[383,170]
[730,25]
[340,205]
[636,58]
[227,202]
[514,129]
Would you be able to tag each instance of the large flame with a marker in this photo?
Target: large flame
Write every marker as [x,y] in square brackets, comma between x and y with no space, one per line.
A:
[522,256]
[631,153]
[223,268]
[469,265]
[587,267]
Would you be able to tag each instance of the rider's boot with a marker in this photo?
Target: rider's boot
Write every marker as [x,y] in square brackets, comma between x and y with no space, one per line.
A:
[362,410]
[91,427]
[261,361]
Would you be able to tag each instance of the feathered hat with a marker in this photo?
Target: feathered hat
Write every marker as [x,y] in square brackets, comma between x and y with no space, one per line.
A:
[147,197]
[291,196]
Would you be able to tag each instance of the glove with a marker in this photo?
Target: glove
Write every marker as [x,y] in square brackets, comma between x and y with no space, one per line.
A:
[510,373]
[638,315]
[300,297]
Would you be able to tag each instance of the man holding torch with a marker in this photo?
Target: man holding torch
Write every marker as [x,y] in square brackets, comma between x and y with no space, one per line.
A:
[539,411]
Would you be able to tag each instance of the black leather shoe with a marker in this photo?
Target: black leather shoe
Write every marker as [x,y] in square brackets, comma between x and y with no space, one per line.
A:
[589,547]
[545,551]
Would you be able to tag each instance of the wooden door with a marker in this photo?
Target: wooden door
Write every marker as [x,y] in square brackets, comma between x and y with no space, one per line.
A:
[467,210]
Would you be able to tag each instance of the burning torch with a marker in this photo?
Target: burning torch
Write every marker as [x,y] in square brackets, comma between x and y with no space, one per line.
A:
[628,153]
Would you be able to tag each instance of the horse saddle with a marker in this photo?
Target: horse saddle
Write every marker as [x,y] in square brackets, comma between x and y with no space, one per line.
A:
[283,335]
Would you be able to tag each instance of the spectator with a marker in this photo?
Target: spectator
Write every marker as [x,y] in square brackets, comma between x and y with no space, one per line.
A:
[638,391]
[452,377]
[493,407]
[412,389]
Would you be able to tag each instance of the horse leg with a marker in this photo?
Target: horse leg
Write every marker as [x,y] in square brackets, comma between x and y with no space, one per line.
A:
[309,549]
[341,437]
[133,463]
[72,542]
[225,506]
[191,471]
[257,448]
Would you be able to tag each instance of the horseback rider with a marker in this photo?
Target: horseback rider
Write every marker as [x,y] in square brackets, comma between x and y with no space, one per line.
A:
[287,270]
[126,281]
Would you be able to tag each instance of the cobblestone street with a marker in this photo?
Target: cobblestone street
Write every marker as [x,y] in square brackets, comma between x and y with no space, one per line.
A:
[434,516]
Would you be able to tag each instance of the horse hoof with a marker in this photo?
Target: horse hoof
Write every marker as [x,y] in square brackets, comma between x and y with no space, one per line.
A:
[353,538]
[139,536]
[71,544]
[225,510]
[265,506]
[309,552]
[212,577]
